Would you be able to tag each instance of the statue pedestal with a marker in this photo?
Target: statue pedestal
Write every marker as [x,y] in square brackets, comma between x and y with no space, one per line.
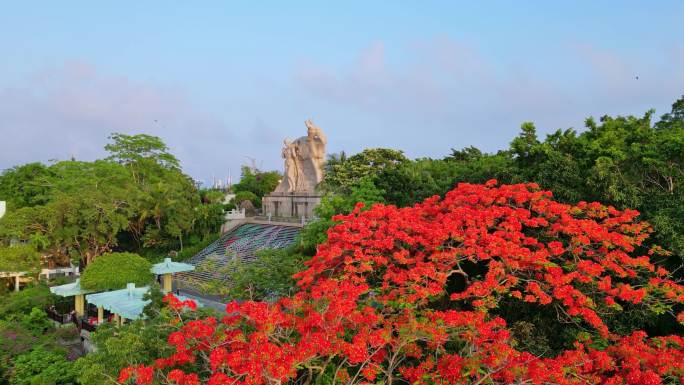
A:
[290,205]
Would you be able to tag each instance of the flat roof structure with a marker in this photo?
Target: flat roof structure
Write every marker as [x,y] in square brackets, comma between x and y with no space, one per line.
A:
[70,289]
[127,303]
[170,267]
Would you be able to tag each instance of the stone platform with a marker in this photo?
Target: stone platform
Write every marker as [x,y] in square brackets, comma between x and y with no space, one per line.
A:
[290,205]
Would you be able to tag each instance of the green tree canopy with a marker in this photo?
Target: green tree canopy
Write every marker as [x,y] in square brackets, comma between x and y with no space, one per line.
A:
[259,183]
[137,199]
[115,270]
[87,206]
[25,185]
[163,199]
[342,172]
[138,149]
[19,258]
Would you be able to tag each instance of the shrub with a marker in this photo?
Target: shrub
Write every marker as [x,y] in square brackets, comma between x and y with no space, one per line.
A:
[115,270]
[37,322]
[14,340]
[15,305]
[241,196]
[43,367]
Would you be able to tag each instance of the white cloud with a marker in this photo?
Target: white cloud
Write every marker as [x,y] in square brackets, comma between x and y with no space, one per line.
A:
[71,110]
[460,96]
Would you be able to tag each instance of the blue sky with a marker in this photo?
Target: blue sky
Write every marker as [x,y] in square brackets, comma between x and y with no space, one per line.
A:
[222,81]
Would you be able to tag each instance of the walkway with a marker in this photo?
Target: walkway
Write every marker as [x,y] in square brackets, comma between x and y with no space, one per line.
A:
[203,299]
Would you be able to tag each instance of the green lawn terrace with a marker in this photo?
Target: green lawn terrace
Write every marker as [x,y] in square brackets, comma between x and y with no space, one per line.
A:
[115,305]
[243,242]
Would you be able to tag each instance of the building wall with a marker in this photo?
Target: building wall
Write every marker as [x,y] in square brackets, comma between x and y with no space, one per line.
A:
[290,206]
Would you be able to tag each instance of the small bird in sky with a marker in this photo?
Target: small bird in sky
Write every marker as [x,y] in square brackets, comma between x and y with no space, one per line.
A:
[637,78]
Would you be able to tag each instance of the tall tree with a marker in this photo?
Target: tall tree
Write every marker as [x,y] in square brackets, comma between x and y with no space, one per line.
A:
[163,202]
[25,185]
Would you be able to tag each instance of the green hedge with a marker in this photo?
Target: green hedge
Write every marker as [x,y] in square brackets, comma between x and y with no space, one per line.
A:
[115,270]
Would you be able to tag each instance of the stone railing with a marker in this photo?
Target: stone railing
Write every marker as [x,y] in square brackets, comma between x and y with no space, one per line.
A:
[66,271]
[235,214]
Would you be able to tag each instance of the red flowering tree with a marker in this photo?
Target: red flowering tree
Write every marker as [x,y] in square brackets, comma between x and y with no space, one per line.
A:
[379,303]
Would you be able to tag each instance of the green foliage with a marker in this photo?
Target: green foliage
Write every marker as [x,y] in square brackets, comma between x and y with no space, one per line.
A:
[14,340]
[115,270]
[37,321]
[163,198]
[363,191]
[269,276]
[85,211]
[138,342]
[23,186]
[136,149]
[15,305]
[43,367]
[208,219]
[19,258]
[259,183]
[156,296]
[138,198]
[212,196]
[623,161]
[242,196]
[192,250]
[628,162]
[341,173]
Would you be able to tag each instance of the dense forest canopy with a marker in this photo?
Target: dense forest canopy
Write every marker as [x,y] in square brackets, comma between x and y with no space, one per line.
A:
[137,199]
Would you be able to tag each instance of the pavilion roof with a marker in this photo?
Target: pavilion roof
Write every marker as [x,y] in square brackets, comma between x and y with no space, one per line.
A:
[127,302]
[169,267]
[70,289]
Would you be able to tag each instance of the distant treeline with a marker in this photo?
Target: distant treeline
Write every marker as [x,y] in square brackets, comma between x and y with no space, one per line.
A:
[628,162]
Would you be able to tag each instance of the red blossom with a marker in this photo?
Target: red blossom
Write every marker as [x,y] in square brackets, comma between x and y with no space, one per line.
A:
[364,307]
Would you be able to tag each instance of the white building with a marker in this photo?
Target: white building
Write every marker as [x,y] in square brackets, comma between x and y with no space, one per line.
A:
[3,207]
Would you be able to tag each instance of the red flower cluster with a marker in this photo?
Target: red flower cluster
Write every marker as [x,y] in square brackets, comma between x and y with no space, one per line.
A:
[365,311]
[144,375]
[178,305]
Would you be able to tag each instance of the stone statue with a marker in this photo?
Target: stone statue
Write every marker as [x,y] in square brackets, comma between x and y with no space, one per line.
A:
[317,142]
[291,167]
[304,159]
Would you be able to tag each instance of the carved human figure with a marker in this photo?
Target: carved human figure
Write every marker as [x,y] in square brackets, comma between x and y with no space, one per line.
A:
[291,169]
[304,158]
[316,141]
